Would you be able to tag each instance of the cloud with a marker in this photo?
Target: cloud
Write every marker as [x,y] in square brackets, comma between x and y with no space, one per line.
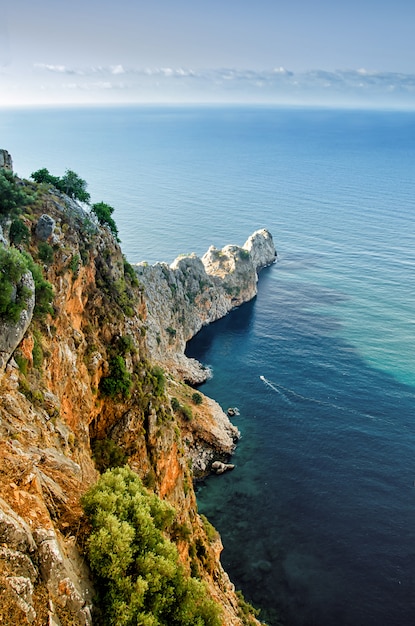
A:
[117,69]
[277,84]
[57,69]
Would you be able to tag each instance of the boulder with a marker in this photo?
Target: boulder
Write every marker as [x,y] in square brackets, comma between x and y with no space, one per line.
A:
[219,468]
[45,227]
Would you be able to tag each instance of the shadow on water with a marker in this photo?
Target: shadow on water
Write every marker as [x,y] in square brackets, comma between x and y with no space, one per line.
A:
[318,519]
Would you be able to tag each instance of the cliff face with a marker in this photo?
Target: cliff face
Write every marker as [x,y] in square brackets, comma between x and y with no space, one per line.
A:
[193,292]
[55,407]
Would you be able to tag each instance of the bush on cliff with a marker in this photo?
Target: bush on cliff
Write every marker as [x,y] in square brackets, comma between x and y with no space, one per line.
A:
[70,183]
[43,289]
[140,577]
[103,212]
[13,196]
[19,232]
[119,380]
[13,297]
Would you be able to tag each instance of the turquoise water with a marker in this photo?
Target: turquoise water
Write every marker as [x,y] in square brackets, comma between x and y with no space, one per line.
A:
[318,519]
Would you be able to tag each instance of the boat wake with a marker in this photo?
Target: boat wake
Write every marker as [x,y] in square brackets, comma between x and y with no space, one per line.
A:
[289,395]
[276,389]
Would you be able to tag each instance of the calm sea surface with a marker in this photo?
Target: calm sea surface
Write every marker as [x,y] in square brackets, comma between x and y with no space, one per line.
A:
[318,518]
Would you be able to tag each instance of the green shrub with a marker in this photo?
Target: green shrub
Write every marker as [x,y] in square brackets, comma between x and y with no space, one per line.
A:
[246,611]
[43,289]
[140,577]
[19,232]
[211,532]
[45,252]
[103,212]
[172,333]
[43,176]
[130,272]
[122,296]
[119,380]
[197,398]
[107,454]
[37,352]
[244,254]
[175,404]
[126,345]
[74,264]
[74,186]
[13,196]
[159,380]
[22,363]
[13,296]
[187,412]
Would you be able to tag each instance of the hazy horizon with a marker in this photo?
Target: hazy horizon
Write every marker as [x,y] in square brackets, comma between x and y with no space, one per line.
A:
[236,52]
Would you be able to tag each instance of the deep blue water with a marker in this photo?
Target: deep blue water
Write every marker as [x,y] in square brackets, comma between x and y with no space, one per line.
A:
[318,518]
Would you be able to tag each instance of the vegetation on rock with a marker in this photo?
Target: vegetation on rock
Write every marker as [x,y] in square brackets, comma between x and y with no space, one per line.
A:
[119,381]
[70,183]
[13,296]
[103,212]
[141,580]
[13,195]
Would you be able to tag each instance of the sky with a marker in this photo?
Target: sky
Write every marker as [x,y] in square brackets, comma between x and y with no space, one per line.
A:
[357,53]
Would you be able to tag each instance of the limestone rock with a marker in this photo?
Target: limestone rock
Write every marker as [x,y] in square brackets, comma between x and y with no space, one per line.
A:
[6,162]
[45,227]
[219,468]
[62,580]
[11,333]
[193,292]
[14,531]
[22,588]
[261,248]
[17,562]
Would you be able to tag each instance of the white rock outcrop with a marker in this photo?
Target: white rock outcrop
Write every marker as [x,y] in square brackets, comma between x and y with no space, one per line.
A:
[193,292]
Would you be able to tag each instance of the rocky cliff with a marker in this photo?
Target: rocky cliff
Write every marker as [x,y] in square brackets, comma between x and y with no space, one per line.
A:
[79,386]
[193,292]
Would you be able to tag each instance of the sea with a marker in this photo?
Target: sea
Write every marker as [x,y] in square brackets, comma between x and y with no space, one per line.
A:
[318,517]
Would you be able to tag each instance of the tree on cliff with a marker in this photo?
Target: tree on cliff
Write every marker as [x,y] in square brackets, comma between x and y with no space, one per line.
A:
[44,176]
[103,212]
[70,183]
[74,186]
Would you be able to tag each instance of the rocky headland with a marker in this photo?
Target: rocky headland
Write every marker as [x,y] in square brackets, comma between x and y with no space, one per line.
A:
[93,375]
[192,292]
